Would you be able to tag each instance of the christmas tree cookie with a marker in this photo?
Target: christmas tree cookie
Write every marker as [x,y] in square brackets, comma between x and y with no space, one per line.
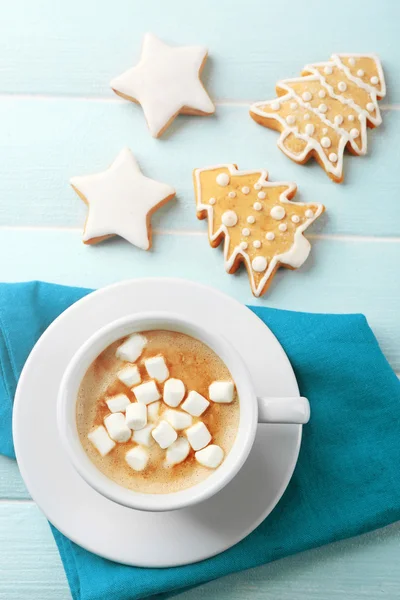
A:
[326,110]
[256,219]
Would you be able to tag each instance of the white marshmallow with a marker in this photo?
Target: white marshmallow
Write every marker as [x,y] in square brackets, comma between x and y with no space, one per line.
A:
[137,458]
[178,419]
[156,368]
[221,391]
[164,434]
[153,411]
[136,416]
[132,348]
[146,392]
[143,436]
[198,436]
[129,375]
[174,390]
[195,404]
[117,428]
[177,452]
[211,457]
[101,440]
[118,403]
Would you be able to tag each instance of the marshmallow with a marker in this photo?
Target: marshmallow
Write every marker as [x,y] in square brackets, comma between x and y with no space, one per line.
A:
[136,416]
[101,440]
[146,392]
[177,452]
[129,375]
[198,436]
[174,390]
[132,348]
[211,457]
[157,368]
[117,428]
[137,458]
[153,410]
[164,434]
[143,436]
[178,419]
[118,403]
[221,391]
[195,404]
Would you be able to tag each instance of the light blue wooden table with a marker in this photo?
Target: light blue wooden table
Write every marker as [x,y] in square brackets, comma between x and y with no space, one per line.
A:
[59,118]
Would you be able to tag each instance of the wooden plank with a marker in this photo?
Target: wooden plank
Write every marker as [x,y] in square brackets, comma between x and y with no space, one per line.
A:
[77,47]
[45,142]
[340,276]
[11,484]
[30,567]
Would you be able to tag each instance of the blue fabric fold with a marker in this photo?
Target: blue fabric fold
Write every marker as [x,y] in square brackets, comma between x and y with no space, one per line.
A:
[346,481]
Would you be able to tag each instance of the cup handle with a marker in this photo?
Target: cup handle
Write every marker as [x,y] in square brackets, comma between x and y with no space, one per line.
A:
[284,410]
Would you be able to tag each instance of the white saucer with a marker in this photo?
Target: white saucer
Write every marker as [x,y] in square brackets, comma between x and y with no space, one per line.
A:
[152,539]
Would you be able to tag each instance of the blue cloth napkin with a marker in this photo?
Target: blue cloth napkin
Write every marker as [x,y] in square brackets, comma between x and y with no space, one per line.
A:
[347,478]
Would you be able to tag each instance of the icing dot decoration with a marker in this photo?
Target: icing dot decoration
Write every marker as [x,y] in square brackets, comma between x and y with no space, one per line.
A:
[333,157]
[374,80]
[351,117]
[244,245]
[257,186]
[277,212]
[370,107]
[306,96]
[257,244]
[342,86]
[322,93]
[223,179]
[270,236]
[328,70]
[290,120]
[259,264]
[232,194]
[325,130]
[354,132]
[293,105]
[245,190]
[261,195]
[306,117]
[282,227]
[309,129]
[212,201]
[275,105]
[326,142]
[229,218]
[251,219]
[360,73]
[322,108]
[338,120]
[295,219]
[352,62]
[257,206]
[246,232]
[309,213]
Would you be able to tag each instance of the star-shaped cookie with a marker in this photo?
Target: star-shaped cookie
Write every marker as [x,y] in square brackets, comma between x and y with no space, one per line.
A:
[121,201]
[166,82]
[259,224]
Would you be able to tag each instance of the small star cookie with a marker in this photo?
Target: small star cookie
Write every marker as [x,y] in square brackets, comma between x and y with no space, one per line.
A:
[166,82]
[326,110]
[259,224]
[121,201]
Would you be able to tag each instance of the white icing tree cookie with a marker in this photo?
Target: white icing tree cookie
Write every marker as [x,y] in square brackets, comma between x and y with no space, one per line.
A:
[166,82]
[256,219]
[326,110]
[121,201]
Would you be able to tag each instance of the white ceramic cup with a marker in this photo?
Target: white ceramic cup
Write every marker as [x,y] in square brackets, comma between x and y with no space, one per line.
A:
[252,411]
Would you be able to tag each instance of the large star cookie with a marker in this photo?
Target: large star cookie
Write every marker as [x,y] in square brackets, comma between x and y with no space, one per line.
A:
[326,110]
[260,225]
[121,201]
[166,82]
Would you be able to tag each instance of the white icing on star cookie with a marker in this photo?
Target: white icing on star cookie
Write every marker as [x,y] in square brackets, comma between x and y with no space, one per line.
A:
[121,201]
[166,82]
